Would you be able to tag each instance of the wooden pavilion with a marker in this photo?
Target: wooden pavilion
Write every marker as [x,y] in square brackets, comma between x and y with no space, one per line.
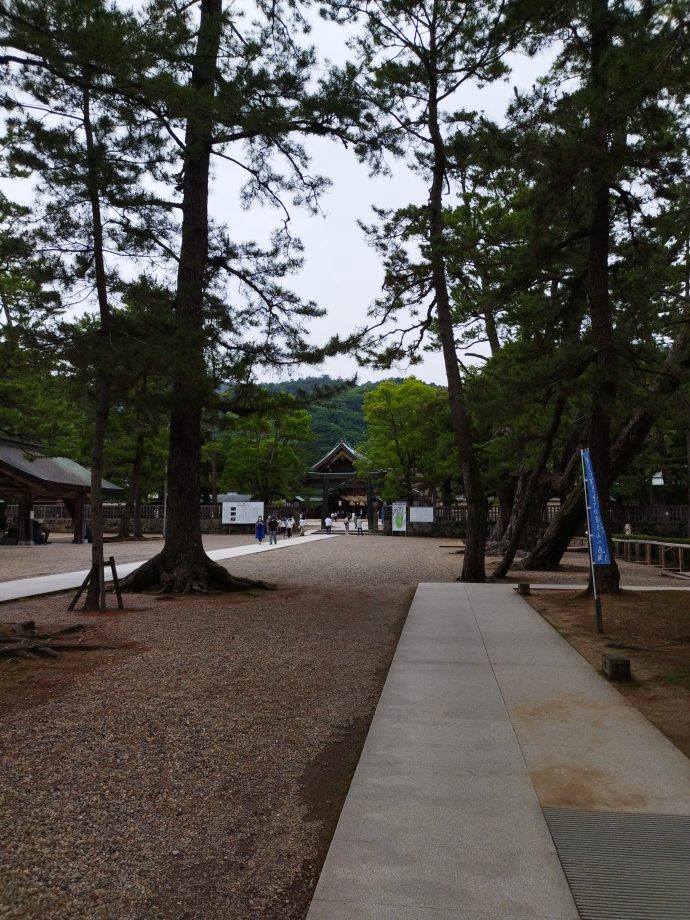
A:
[28,476]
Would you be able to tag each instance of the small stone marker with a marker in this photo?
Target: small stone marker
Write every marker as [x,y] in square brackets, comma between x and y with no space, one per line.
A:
[523,587]
[616,667]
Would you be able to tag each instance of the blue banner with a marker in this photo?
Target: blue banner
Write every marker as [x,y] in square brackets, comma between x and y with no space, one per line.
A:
[599,545]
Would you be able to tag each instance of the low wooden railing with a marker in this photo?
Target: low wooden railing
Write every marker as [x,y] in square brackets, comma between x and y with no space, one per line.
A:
[654,552]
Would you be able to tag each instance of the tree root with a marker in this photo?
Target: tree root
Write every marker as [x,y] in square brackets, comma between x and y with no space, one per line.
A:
[24,640]
[199,576]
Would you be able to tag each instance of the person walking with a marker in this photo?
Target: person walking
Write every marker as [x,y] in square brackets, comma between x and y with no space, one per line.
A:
[347,523]
[273,530]
[329,523]
[360,526]
[260,529]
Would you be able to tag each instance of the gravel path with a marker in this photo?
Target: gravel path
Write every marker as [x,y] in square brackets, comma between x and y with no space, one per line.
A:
[61,555]
[198,772]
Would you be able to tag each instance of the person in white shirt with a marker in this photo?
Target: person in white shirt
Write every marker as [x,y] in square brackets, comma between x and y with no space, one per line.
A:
[329,523]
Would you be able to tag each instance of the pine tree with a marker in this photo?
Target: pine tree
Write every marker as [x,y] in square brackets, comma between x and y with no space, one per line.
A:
[420,55]
[66,64]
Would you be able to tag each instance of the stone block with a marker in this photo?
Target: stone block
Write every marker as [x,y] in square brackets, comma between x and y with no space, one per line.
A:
[616,667]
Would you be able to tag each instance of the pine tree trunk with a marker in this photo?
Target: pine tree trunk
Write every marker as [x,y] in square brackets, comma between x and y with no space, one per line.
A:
[95,596]
[606,378]
[533,497]
[477,513]
[135,483]
[630,440]
[182,565]
[506,501]
[687,455]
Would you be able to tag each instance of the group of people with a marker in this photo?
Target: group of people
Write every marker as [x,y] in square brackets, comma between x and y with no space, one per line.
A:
[357,520]
[276,526]
[286,526]
[10,532]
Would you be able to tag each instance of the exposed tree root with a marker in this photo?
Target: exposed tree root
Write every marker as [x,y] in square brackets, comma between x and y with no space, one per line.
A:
[198,576]
[23,640]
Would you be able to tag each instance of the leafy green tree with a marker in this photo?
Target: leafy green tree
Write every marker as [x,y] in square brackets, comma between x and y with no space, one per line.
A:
[29,304]
[409,435]
[262,454]
[212,84]
[335,408]
[599,133]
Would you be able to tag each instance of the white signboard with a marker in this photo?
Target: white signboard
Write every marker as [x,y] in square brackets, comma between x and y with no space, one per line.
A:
[399,517]
[422,515]
[242,512]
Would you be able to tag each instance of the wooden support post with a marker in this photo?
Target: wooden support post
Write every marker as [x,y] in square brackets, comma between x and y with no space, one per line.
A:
[95,573]
[116,583]
[87,581]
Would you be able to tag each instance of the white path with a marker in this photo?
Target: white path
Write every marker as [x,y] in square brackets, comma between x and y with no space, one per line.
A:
[64,581]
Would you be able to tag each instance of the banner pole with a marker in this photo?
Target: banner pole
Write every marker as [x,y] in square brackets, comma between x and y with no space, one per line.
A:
[597,599]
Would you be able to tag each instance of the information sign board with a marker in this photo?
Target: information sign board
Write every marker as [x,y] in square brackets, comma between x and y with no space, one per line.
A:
[399,510]
[422,515]
[242,512]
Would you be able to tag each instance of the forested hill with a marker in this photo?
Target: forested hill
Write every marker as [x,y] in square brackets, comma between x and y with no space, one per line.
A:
[334,416]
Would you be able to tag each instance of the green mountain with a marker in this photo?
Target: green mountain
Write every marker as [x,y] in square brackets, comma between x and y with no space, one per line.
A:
[335,406]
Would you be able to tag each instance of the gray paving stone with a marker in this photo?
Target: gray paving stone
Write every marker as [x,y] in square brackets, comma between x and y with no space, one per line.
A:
[513,646]
[443,819]
[463,747]
[448,649]
[399,727]
[478,810]
[358,910]
[459,690]
[526,883]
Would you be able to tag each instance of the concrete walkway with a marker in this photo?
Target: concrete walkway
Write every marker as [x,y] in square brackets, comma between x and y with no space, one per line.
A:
[489,722]
[65,581]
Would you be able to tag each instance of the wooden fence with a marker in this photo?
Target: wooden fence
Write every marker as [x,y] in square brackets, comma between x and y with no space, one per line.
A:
[676,518]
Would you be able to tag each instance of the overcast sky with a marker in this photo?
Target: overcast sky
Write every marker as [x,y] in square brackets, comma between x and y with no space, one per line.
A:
[341,273]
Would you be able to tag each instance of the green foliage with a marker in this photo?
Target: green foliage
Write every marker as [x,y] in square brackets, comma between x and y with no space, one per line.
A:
[261,454]
[511,234]
[336,410]
[409,435]
[678,678]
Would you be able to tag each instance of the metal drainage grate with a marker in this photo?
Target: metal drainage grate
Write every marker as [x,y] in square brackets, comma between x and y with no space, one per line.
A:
[624,866]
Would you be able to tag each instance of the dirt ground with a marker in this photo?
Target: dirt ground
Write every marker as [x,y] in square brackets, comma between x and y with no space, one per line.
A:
[652,629]
[198,766]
